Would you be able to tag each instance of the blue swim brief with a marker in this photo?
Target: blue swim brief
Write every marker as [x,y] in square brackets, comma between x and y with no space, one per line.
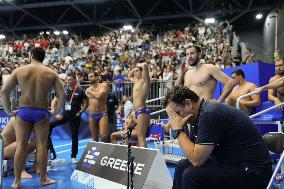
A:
[142,111]
[98,116]
[32,115]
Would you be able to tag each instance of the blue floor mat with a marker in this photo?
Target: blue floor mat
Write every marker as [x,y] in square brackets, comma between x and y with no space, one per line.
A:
[62,170]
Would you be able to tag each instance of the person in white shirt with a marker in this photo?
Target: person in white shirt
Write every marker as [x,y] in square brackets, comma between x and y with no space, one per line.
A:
[68,58]
[169,77]
[128,107]
[6,73]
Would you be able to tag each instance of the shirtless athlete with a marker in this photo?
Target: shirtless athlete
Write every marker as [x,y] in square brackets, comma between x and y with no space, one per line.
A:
[141,79]
[276,84]
[243,87]
[97,94]
[202,78]
[121,134]
[35,81]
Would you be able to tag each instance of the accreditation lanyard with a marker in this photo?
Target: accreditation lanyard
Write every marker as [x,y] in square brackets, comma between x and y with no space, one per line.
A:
[72,95]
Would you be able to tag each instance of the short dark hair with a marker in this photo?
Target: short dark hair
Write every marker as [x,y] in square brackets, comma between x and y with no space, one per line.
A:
[72,75]
[179,94]
[95,73]
[139,68]
[280,59]
[196,47]
[119,71]
[239,72]
[38,53]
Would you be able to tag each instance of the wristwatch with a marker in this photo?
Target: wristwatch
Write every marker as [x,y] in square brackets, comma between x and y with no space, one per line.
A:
[175,133]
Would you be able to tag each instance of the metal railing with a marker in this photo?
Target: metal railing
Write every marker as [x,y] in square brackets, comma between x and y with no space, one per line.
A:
[258,113]
[269,186]
[158,88]
[278,167]
[156,99]
[158,112]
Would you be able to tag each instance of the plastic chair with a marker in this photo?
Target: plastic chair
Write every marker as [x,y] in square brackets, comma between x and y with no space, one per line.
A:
[274,117]
[155,133]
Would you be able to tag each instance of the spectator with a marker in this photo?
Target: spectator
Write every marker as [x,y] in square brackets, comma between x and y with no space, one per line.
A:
[169,77]
[84,72]
[106,75]
[6,73]
[250,58]
[119,80]
[112,105]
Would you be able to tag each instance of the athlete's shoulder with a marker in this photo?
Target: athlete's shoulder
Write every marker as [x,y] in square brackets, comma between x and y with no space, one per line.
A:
[274,78]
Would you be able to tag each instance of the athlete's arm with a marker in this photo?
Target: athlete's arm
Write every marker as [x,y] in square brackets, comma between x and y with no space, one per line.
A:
[61,95]
[222,78]
[8,86]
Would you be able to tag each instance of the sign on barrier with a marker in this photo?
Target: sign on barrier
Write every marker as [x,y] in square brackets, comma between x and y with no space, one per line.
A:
[4,118]
[104,166]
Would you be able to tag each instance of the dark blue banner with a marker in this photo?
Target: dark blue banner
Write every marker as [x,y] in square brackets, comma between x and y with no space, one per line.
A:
[4,118]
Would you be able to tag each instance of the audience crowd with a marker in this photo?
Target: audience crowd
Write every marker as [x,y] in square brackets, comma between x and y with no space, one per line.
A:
[114,54]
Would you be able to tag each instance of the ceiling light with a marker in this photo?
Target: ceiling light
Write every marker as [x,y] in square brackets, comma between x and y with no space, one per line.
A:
[209,20]
[258,16]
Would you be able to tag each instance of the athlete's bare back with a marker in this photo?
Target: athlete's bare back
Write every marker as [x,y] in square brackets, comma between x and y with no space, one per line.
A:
[35,81]
[31,78]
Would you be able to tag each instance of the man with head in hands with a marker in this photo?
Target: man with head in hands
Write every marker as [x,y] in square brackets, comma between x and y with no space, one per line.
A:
[35,81]
[97,94]
[224,149]
[141,80]
[202,78]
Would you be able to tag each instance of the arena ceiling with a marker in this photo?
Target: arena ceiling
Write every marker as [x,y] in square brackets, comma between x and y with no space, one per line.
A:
[32,15]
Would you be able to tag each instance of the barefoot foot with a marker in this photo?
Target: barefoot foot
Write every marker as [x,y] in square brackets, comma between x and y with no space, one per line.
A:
[16,185]
[25,175]
[47,181]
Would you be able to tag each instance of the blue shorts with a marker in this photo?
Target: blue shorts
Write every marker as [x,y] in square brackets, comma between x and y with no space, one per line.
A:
[142,111]
[98,116]
[32,115]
